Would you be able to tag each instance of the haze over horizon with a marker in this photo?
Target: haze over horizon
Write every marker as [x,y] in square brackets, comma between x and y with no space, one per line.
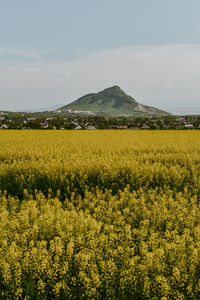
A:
[52,53]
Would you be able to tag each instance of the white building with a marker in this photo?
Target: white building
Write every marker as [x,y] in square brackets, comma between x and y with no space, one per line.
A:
[189,126]
[4,126]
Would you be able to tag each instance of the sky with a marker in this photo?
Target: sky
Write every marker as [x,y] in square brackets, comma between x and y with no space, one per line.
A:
[53,52]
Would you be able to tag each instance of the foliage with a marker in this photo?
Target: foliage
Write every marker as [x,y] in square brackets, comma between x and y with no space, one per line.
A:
[99,215]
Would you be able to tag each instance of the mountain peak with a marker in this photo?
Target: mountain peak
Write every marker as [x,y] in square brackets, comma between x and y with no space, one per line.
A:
[114,88]
[113,91]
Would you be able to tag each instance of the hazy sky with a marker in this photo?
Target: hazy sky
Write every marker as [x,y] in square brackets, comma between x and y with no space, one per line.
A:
[52,52]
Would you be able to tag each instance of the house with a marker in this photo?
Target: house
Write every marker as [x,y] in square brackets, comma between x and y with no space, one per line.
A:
[180,120]
[31,119]
[2,118]
[114,126]
[145,127]
[189,126]
[4,126]
[51,118]
[78,127]
[44,125]
[166,127]
[119,127]
[156,126]
[179,127]
[122,127]
[90,127]
[75,123]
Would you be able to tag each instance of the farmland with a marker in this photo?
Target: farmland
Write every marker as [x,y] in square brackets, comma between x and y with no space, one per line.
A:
[100,215]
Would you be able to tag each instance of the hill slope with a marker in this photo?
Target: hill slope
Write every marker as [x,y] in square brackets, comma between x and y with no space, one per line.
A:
[111,101]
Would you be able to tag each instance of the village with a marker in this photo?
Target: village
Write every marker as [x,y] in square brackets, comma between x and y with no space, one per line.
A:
[67,121]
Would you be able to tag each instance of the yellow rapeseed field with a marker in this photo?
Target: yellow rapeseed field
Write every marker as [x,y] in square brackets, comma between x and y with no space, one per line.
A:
[100,215]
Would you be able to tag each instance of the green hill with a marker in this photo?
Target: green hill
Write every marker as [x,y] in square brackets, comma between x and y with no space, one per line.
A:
[112,101]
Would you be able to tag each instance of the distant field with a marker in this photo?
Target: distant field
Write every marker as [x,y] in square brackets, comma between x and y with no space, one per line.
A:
[100,214]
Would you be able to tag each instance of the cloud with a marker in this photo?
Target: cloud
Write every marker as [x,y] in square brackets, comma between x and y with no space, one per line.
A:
[165,76]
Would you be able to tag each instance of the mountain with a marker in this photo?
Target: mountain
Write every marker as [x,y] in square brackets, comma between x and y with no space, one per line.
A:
[112,101]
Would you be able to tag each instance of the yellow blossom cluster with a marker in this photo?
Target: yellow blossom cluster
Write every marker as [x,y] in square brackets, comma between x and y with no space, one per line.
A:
[99,215]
